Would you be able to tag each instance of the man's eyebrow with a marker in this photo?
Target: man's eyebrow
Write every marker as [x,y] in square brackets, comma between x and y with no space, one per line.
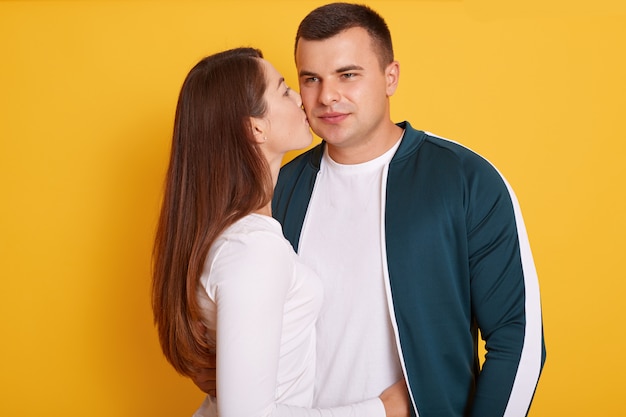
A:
[304,73]
[347,68]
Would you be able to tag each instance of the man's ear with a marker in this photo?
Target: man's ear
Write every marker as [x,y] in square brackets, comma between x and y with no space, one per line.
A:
[259,129]
[392,74]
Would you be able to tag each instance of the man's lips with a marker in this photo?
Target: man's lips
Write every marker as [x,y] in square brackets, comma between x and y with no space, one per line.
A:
[333,117]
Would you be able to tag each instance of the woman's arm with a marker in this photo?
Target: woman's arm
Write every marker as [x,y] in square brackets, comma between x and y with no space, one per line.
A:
[249,283]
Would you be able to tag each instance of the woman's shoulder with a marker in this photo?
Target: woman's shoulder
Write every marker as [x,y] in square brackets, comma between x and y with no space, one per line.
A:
[251,245]
[255,223]
[253,230]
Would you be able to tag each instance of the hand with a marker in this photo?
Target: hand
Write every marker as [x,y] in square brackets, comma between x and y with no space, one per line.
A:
[205,378]
[396,400]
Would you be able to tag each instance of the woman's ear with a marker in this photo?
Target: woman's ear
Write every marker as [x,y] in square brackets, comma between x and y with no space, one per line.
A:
[259,128]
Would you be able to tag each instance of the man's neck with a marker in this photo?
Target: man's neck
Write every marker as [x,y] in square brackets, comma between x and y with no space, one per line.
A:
[367,150]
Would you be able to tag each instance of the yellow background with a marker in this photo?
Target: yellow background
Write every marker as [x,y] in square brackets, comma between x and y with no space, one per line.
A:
[87,97]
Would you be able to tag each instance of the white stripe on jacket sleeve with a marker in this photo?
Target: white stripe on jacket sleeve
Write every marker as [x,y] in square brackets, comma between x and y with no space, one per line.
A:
[529,367]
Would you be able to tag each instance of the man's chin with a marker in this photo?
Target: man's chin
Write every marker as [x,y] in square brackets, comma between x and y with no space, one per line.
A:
[330,135]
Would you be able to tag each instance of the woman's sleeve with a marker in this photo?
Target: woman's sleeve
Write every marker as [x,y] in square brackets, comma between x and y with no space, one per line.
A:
[250,279]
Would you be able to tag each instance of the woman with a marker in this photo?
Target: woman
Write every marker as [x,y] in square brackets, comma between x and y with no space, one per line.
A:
[220,259]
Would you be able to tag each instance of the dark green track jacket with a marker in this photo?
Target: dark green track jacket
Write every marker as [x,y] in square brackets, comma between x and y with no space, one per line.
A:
[458,261]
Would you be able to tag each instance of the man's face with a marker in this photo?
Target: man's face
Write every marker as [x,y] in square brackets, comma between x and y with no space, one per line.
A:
[344,90]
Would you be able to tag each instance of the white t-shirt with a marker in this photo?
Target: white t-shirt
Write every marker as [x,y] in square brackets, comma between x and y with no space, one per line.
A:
[260,303]
[341,239]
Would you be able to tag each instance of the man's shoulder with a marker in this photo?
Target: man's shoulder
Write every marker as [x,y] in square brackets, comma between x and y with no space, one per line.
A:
[465,155]
[417,143]
[310,157]
[435,153]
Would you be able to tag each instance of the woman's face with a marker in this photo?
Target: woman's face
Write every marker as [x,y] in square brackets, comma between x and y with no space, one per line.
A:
[287,127]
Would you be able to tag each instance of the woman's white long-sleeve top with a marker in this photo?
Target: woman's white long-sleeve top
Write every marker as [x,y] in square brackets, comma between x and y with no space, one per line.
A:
[260,303]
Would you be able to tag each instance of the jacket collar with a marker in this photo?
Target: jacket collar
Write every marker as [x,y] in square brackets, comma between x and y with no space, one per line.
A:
[411,140]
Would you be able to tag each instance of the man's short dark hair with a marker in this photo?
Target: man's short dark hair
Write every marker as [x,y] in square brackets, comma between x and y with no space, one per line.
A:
[331,19]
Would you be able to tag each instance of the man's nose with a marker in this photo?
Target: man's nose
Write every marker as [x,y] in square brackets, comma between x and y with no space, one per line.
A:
[329,93]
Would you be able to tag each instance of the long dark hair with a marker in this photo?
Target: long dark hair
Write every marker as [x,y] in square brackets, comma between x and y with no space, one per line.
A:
[217,174]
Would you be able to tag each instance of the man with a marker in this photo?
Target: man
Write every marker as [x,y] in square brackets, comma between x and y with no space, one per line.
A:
[419,242]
